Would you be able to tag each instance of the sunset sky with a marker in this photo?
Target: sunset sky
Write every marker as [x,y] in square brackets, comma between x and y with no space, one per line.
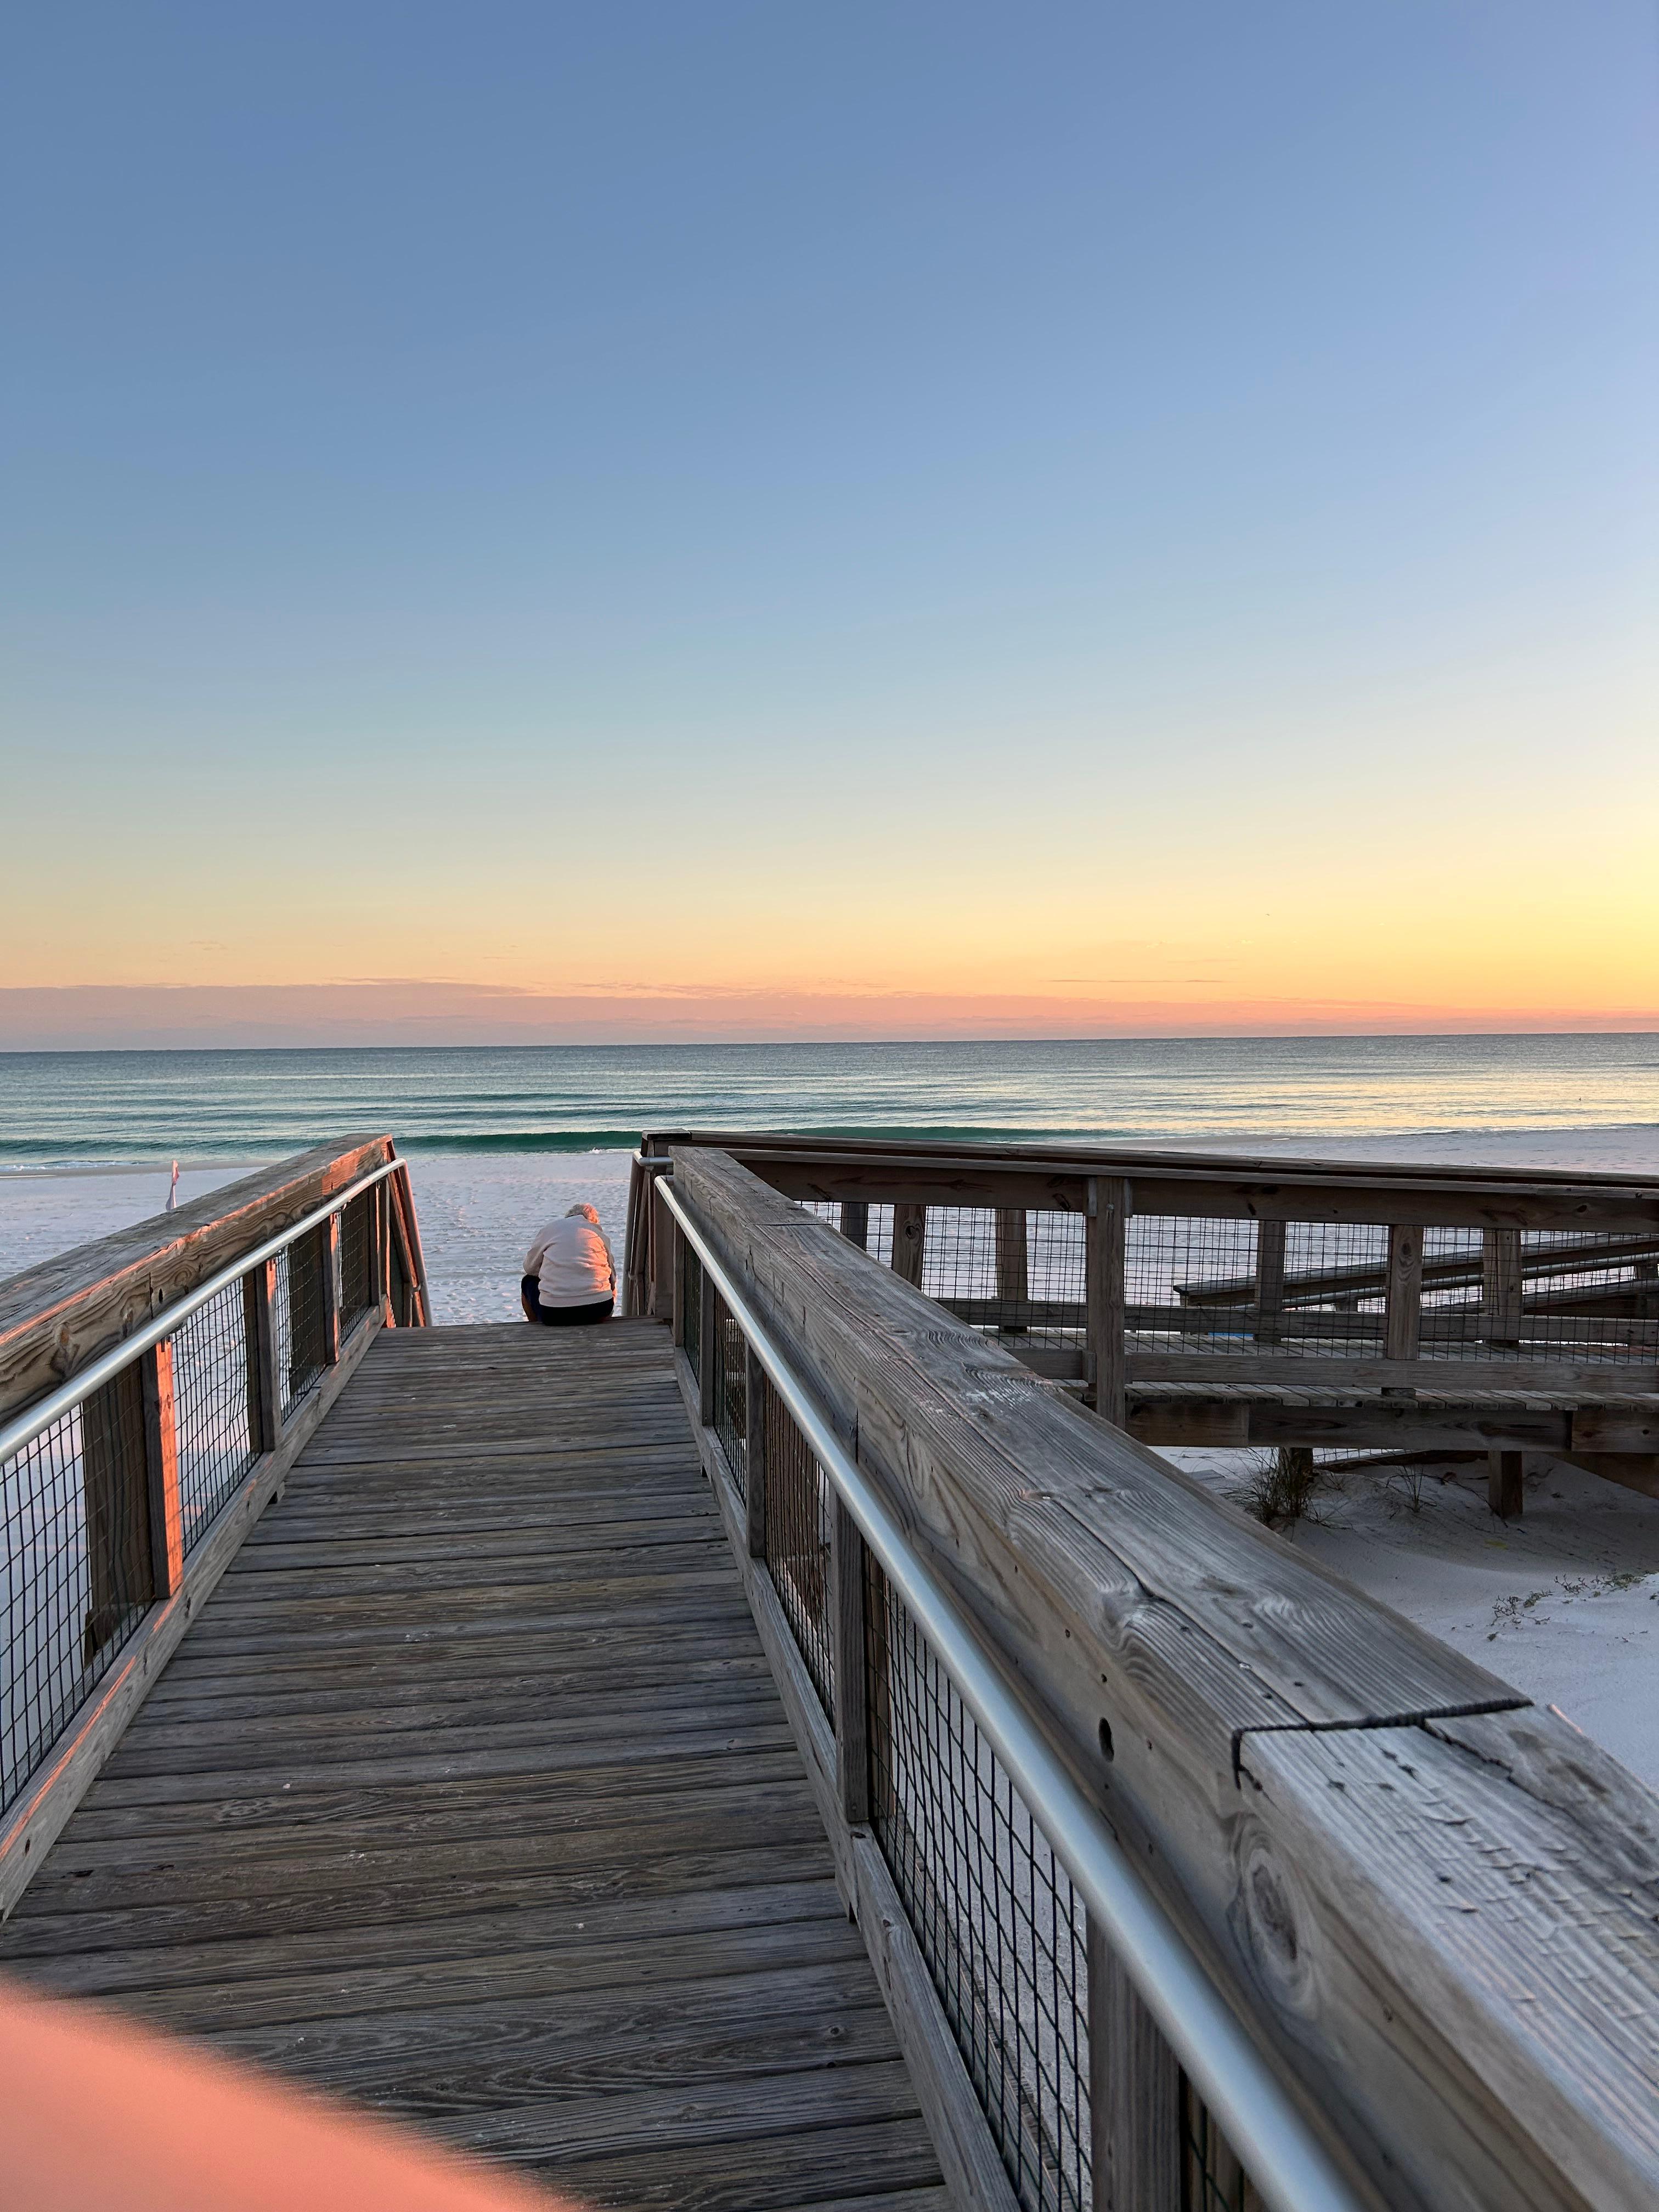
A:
[925,518]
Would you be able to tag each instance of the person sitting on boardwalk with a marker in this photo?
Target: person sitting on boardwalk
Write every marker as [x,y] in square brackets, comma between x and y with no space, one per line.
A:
[570,1278]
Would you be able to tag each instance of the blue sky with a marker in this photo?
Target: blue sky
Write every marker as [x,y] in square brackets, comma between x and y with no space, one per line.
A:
[1030,476]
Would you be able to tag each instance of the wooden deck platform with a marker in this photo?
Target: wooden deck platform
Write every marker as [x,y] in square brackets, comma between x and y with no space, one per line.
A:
[470,1796]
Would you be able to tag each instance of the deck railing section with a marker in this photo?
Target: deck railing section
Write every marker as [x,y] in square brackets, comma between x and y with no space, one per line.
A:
[113,1485]
[1160,1284]
[1053,1698]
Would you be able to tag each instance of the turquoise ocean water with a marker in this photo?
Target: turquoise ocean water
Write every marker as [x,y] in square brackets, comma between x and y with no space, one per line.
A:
[96,1109]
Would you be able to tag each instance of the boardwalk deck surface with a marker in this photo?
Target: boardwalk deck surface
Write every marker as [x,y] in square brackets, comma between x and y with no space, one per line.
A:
[470,1797]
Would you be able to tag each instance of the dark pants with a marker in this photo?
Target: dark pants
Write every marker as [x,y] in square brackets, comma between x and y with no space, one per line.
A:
[561,1316]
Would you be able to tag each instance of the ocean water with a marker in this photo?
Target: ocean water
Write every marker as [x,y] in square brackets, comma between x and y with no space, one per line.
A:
[129,1107]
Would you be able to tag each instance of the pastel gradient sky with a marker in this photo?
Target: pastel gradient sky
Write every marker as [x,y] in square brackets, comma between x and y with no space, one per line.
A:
[765,519]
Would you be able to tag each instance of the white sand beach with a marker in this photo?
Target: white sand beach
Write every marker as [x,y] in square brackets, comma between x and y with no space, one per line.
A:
[1563,1603]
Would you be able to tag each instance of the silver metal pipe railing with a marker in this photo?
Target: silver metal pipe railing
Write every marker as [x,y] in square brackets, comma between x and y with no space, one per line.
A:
[20,1433]
[1286,2161]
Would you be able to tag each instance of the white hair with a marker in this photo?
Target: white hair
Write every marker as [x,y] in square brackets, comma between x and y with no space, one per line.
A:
[585,1212]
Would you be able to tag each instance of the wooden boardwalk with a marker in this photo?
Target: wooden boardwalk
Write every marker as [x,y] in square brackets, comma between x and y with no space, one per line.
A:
[470,1796]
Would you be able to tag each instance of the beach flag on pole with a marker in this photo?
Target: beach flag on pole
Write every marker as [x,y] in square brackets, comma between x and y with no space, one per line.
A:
[173,1191]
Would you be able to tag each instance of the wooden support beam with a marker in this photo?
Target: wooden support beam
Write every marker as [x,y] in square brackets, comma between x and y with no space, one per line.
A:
[708,1351]
[672,1260]
[910,1241]
[851,1693]
[1505,1491]
[328,1261]
[264,1390]
[1013,1274]
[1104,1263]
[1134,2093]
[1402,1308]
[1501,1285]
[855,1222]
[664,1272]
[1269,1280]
[756,1399]
[381,1251]
[167,1539]
[116,1508]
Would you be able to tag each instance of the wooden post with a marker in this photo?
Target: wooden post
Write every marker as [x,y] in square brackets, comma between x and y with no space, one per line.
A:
[328,1260]
[166,1528]
[1104,1264]
[672,1260]
[1013,1275]
[264,1391]
[665,1271]
[855,1222]
[1269,1280]
[117,1507]
[757,1390]
[1504,1492]
[708,1351]
[378,1250]
[1501,1287]
[851,1695]
[1134,2093]
[1403,1308]
[909,1240]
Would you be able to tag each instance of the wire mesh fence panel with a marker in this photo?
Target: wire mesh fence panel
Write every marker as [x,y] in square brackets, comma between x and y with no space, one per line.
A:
[359,1292]
[78,1576]
[1016,1272]
[211,1367]
[797,1525]
[1585,1299]
[1211,2178]
[731,1396]
[691,1307]
[1001,1929]
[300,1329]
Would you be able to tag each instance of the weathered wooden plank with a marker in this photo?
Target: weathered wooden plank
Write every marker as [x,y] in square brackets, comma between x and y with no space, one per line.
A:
[1332,1373]
[487,2055]
[622,1874]
[552,1973]
[1519,1937]
[248,1748]
[1231,1424]
[861,2164]
[1206,1187]
[1134,2094]
[384,1768]
[89,1878]
[1104,1260]
[910,1242]
[688,1656]
[365,1817]
[563,2135]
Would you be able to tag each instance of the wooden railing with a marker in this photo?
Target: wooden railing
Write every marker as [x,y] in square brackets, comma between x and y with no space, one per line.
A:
[155,1388]
[1433,1909]
[1157,1282]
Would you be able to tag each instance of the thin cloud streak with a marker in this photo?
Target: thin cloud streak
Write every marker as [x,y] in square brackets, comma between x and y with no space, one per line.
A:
[415,1011]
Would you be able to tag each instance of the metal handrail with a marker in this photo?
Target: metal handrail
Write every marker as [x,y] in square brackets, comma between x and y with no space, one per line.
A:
[19,1434]
[1286,2161]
